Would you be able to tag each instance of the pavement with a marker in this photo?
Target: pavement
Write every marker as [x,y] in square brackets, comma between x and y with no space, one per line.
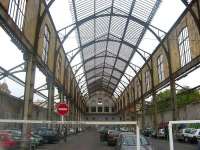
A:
[159,144]
[89,140]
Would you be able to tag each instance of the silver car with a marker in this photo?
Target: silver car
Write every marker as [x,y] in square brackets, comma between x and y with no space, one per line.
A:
[128,140]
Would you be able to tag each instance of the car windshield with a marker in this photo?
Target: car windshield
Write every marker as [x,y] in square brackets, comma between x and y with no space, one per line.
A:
[132,140]
[188,130]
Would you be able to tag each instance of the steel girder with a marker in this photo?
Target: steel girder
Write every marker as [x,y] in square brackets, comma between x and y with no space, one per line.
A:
[13,70]
[19,81]
[109,28]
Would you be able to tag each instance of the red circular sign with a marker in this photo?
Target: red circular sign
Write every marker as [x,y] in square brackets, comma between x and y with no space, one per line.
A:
[62,108]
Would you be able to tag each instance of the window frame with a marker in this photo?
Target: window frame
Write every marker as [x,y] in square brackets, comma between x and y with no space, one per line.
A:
[100,108]
[160,67]
[147,80]
[46,43]
[17,10]
[184,46]
[106,109]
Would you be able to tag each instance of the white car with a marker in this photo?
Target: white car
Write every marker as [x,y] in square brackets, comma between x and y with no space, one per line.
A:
[80,129]
[71,131]
[182,134]
[161,133]
[192,136]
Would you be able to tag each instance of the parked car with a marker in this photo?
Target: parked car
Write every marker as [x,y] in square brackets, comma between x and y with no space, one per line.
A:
[187,133]
[180,135]
[48,135]
[147,132]
[7,141]
[17,136]
[154,134]
[161,133]
[128,141]
[192,136]
[80,129]
[71,131]
[103,134]
[37,139]
[198,140]
[112,137]
[124,129]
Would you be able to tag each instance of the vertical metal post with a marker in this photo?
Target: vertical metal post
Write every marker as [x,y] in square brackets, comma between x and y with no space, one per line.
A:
[172,84]
[62,119]
[155,111]
[171,142]
[173,98]
[50,100]
[28,95]
[142,113]
[138,136]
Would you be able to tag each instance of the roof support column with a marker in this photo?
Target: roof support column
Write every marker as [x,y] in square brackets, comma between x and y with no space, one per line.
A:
[134,105]
[50,105]
[61,95]
[172,85]
[28,94]
[173,97]
[154,99]
[155,111]
[142,104]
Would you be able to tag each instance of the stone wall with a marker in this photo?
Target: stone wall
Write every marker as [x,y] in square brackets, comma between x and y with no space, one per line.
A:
[12,108]
[189,112]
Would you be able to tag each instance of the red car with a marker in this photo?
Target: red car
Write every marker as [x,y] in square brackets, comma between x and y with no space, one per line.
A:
[6,141]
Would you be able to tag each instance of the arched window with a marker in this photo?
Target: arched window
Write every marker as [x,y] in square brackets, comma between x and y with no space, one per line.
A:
[184,47]
[46,42]
[16,11]
[160,67]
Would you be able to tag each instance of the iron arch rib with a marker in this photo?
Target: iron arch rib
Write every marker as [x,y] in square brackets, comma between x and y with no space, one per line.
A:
[124,42]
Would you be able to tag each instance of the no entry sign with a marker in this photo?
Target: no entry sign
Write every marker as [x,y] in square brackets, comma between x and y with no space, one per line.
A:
[62,108]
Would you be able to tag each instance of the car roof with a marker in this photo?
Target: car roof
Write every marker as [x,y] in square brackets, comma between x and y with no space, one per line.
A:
[127,133]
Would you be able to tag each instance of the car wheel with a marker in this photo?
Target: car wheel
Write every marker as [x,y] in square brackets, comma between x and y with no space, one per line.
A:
[186,139]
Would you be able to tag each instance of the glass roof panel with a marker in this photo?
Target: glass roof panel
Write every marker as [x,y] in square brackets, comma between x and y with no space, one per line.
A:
[125,52]
[112,31]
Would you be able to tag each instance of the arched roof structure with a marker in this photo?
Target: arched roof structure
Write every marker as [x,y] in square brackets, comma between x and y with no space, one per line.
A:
[99,22]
